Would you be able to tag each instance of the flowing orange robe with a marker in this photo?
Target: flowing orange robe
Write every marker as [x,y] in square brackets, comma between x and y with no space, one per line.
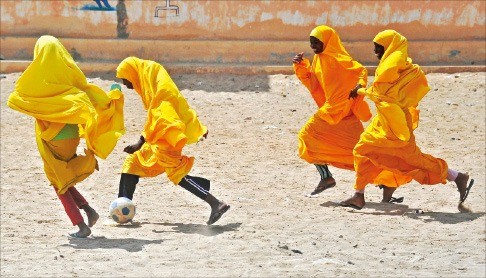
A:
[330,135]
[55,92]
[386,152]
[171,123]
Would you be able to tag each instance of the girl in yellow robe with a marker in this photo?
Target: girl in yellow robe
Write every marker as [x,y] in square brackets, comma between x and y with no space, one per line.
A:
[56,93]
[330,135]
[386,152]
[170,125]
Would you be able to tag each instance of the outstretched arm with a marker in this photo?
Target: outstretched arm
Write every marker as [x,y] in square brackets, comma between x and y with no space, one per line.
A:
[302,69]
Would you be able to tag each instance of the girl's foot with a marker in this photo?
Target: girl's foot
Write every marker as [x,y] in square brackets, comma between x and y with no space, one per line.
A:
[217,212]
[93,216]
[462,186]
[356,202]
[84,231]
[323,185]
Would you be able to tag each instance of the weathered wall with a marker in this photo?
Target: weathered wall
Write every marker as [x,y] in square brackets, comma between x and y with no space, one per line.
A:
[248,20]
[264,32]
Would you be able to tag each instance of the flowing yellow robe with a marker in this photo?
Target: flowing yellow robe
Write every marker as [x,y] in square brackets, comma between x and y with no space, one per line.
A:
[330,135]
[171,123]
[386,152]
[55,92]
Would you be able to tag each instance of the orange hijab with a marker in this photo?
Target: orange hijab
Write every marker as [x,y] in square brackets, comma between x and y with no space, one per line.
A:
[338,74]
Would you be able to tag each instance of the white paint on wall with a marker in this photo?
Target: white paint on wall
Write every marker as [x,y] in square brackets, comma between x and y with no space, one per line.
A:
[23,9]
[322,19]
[311,3]
[470,16]
[245,16]
[199,15]
[266,16]
[294,18]
[5,16]
[441,17]
[134,11]
[383,15]
[66,11]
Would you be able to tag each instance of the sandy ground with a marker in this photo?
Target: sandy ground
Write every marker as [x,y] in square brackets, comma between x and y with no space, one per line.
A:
[272,229]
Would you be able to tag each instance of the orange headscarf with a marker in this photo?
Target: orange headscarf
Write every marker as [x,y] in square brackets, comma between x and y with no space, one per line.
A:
[337,73]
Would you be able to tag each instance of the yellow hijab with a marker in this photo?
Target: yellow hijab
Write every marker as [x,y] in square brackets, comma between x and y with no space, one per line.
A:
[337,74]
[398,87]
[55,90]
[169,116]
[395,56]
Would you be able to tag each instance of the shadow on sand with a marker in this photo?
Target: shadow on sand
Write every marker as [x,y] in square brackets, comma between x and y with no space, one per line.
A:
[204,230]
[101,242]
[206,82]
[414,213]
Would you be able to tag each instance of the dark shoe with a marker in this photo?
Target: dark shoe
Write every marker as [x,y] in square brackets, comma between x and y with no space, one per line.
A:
[217,213]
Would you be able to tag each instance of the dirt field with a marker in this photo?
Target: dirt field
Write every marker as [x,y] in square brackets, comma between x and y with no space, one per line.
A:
[272,228]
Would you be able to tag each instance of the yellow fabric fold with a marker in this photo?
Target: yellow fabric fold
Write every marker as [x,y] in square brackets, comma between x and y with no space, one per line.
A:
[62,166]
[386,152]
[170,125]
[54,89]
[55,92]
[330,135]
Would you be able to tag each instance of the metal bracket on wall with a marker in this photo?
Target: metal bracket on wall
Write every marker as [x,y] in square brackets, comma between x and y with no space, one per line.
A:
[167,7]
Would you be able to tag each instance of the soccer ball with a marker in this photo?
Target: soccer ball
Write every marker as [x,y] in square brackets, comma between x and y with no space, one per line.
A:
[122,210]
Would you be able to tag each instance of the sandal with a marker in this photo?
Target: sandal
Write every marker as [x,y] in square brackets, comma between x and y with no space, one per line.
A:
[471,183]
[324,185]
[396,200]
[215,216]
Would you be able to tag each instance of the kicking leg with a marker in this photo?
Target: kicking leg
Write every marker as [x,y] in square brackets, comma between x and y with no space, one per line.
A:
[127,185]
[200,187]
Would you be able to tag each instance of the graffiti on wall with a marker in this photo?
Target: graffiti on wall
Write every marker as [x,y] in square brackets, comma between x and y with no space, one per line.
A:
[101,5]
[166,10]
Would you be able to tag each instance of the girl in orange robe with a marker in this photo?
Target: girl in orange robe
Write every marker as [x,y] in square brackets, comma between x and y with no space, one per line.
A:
[386,152]
[329,136]
[170,125]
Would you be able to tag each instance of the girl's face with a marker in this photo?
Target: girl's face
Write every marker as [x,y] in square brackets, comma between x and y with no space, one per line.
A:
[379,50]
[316,45]
[127,83]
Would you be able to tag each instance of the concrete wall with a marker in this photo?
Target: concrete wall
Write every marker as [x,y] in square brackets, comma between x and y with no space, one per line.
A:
[238,32]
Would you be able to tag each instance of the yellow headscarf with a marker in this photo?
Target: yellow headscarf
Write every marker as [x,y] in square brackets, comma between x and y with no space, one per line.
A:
[337,73]
[169,115]
[399,85]
[54,89]
[395,56]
